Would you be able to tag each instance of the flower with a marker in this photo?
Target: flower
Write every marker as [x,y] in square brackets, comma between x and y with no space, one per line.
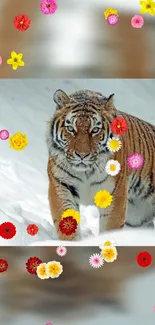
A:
[48,7]
[137,21]
[144,259]
[110,11]
[147,6]
[22,22]
[18,141]
[68,225]
[1,60]
[71,213]
[109,253]
[112,20]
[107,242]
[32,264]
[32,229]
[16,60]
[96,261]
[7,230]
[103,199]
[41,271]
[54,269]
[4,134]
[112,167]
[61,250]
[135,161]
[3,265]
[114,144]
[119,125]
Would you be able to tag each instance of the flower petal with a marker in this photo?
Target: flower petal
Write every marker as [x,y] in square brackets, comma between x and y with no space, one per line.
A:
[19,56]
[9,61]
[21,63]
[13,55]
[14,65]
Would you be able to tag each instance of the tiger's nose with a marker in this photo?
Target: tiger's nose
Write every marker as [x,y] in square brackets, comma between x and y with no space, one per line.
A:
[82,155]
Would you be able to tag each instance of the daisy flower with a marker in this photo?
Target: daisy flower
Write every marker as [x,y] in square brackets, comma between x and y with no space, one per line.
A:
[7,230]
[135,161]
[61,250]
[107,242]
[32,264]
[32,229]
[71,213]
[54,269]
[112,20]
[109,253]
[41,271]
[148,6]
[96,261]
[68,225]
[137,21]
[112,167]
[3,265]
[119,125]
[114,144]
[48,7]
[22,22]
[103,199]
[4,134]
[144,259]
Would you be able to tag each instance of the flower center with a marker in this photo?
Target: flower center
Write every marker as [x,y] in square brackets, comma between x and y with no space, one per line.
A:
[15,60]
[48,5]
[7,229]
[148,6]
[113,167]
[137,21]
[118,126]
[21,22]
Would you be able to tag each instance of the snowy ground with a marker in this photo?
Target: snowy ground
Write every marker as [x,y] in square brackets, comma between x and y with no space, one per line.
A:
[25,106]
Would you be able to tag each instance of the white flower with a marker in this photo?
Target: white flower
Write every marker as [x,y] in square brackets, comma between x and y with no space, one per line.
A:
[61,250]
[114,144]
[112,167]
[96,261]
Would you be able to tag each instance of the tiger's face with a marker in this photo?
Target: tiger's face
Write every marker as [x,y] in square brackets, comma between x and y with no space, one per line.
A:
[80,131]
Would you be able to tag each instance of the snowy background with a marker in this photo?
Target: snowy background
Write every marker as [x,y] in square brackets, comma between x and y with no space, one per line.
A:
[25,106]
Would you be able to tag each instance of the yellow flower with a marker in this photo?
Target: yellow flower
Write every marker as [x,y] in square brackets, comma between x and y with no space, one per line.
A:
[147,6]
[109,253]
[114,144]
[54,269]
[41,271]
[110,11]
[103,199]
[71,213]
[16,60]
[18,141]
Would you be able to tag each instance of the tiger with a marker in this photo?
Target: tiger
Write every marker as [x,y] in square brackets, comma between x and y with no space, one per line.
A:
[78,288]
[77,137]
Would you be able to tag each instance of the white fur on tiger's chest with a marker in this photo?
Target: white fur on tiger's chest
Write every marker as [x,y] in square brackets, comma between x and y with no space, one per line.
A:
[87,190]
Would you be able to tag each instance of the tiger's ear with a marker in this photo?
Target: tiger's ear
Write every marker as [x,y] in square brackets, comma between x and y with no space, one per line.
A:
[109,105]
[60,98]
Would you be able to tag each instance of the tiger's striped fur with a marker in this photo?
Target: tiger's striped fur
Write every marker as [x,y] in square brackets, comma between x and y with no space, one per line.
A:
[77,158]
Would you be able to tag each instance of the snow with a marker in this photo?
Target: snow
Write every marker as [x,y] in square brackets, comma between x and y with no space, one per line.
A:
[25,106]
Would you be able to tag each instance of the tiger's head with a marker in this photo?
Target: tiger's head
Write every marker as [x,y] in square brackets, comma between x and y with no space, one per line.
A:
[80,127]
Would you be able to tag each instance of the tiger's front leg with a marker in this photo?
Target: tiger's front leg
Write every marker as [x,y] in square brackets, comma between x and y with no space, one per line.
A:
[115,216]
[61,199]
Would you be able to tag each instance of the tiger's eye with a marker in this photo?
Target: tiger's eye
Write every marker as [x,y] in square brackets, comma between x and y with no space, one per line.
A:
[70,128]
[95,130]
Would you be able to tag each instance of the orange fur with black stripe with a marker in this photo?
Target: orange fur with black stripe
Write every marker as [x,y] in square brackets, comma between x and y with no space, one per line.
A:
[77,138]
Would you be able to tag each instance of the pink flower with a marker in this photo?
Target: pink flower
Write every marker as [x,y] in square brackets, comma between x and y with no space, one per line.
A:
[4,134]
[137,21]
[135,161]
[48,7]
[61,250]
[96,260]
[112,20]
[1,60]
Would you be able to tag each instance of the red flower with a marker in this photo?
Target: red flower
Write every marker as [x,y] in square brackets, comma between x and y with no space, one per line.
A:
[119,125]
[7,230]
[144,259]
[68,225]
[32,264]
[32,229]
[3,265]
[22,22]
